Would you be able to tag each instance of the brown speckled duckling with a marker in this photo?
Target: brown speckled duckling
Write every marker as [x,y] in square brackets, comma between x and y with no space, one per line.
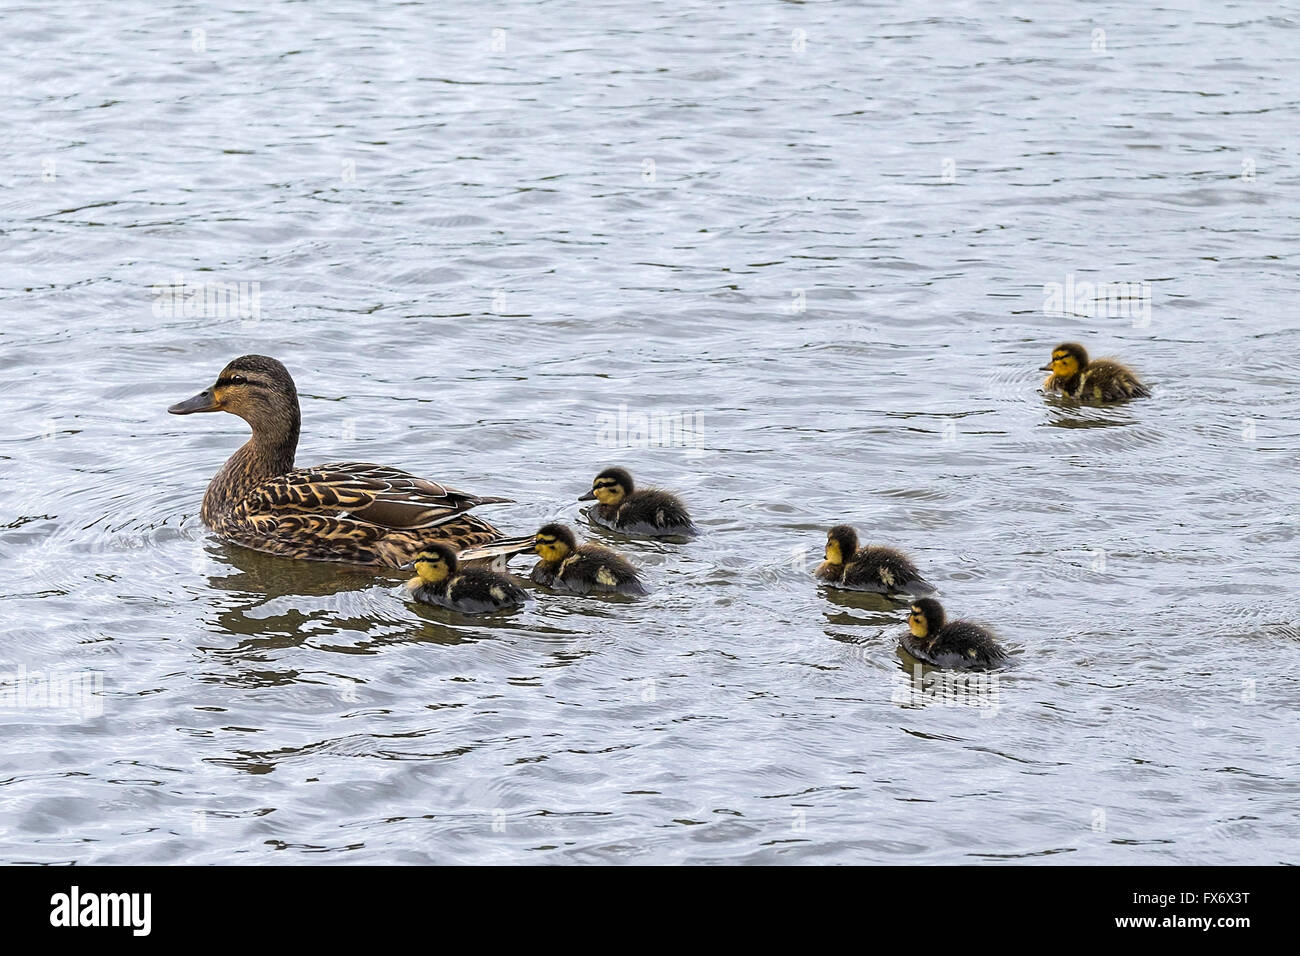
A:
[440,580]
[566,565]
[957,645]
[1100,380]
[621,506]
[353,512]
[873,568]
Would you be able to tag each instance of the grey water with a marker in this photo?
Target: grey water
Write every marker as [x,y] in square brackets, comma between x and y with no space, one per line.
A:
[801,263]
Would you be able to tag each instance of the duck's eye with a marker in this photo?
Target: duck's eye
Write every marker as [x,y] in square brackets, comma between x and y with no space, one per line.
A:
[238,380]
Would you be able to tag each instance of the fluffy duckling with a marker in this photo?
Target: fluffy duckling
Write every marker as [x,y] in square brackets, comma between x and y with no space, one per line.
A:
[440,580]
[648,511]
[1102,380]
[868,569]
[583,569]
[959,645]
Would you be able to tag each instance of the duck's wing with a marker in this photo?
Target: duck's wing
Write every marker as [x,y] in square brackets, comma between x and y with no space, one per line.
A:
[357,513]
[364,494]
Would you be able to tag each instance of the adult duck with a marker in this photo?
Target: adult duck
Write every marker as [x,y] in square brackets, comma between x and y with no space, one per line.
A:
[352,512]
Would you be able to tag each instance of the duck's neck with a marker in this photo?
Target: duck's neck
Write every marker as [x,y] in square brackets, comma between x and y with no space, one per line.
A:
[268,453]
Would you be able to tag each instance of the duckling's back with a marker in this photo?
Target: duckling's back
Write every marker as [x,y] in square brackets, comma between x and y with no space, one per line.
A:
[649,511]
[476,582]
[1106,380]
[593,569]
[474,591]
[886,570]
[962,645]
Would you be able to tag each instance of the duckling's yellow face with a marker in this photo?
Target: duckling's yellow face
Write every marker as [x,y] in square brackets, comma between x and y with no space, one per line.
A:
[834,553]
[1064,364]
[550,548]
[917,624]
[608,491]
[432,568]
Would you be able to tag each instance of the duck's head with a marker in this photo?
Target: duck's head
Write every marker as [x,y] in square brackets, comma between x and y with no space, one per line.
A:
[434,564]
[610,487]
[554,542]
[1068,360]
[925,617]
[841,543]
[256,388]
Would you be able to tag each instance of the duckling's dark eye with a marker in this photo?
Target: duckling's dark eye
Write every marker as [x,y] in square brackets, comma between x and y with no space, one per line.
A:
[238,380]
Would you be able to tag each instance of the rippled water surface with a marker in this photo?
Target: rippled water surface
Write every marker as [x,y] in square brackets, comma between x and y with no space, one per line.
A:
[824,232]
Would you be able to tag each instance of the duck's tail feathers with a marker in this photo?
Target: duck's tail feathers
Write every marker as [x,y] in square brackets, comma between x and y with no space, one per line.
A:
[504,548]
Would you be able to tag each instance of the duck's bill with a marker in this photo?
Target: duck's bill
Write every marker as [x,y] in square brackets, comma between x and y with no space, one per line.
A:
[205,401]
[589,496]
[1046,368]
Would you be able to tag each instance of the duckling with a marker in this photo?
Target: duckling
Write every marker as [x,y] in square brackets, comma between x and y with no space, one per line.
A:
[649,511]
[872,568]
[1102,380]
[440,580]
[583,569]
[959,645]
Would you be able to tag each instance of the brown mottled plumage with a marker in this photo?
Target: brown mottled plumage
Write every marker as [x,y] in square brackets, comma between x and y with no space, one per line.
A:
[872,568]
[621,506]
[566,565]
[352,512]
[1100,380]
[958,645]
[441,580]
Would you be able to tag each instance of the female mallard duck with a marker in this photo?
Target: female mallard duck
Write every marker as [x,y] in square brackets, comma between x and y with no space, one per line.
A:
[583,569]
[440,580]
[959,645]
[868,569]
[1101,380]
[353,512]
[648,511]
